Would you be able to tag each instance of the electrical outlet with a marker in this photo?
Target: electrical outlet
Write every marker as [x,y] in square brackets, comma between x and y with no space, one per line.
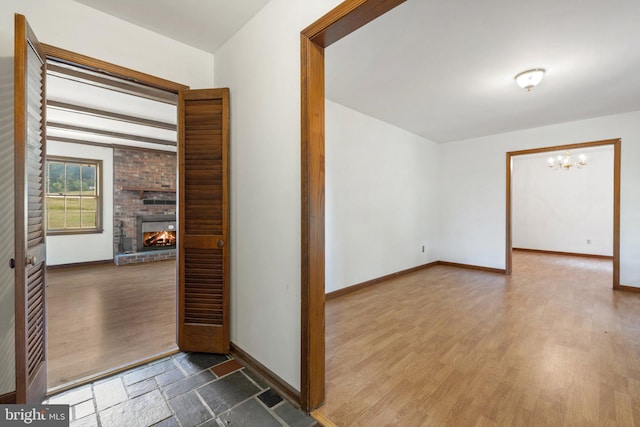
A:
[588,241]
[422,248]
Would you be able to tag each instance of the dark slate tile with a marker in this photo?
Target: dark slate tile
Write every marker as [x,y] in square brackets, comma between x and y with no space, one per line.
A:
[227,392]
[187,384]
[72,397]
[257,379]
[169,422]
[270,398]
[141,411]
[293,416]
[141,387]
[148,371]
[250,413]
[109,393]
[189,409]
[196,362]
[169,377]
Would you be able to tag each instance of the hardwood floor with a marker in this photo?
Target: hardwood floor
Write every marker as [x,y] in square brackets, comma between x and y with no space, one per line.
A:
[101,317]
[551,345]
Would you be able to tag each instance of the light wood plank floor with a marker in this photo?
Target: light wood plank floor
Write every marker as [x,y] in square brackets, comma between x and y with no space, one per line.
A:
[102,317]
[552,345]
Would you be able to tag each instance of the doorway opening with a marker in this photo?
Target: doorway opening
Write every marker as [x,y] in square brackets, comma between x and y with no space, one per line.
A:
[338,23]
[615,143]
[201,285]
[112,283]
[346,18]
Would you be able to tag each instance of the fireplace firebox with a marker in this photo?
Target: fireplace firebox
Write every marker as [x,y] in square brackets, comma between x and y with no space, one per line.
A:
[156,232]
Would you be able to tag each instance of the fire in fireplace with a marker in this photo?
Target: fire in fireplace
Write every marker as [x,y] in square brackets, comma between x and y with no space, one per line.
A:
[159,239]
[156,232]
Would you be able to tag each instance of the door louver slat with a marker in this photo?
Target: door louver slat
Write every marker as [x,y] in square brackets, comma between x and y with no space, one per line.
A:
[35,233]
[201,303]
[29,146]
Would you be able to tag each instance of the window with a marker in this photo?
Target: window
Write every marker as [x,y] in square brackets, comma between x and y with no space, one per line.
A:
[73,196]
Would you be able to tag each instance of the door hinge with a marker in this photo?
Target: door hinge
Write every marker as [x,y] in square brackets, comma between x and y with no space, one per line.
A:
[12,263]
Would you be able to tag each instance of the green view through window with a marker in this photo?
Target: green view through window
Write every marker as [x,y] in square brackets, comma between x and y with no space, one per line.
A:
[73,195]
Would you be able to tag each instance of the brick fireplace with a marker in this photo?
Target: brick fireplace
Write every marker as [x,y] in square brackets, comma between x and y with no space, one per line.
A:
[144,186]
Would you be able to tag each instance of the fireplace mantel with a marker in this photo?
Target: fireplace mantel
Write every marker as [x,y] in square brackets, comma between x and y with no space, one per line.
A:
[141,191]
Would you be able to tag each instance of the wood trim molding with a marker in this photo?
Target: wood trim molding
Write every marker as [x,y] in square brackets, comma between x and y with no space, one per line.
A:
[508,263]
[280,385]
[110,69]
[19,155]
[616,143]
[345,18]
[84,74]
[617,157]
[626,288]
[473,267]
[312,250]
[565,147]
[8,398]
[369,283]
[541,251]
[337,23]
[322,420]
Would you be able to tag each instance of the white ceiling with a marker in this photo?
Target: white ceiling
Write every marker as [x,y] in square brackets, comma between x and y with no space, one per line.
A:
[445,69]
[205,24]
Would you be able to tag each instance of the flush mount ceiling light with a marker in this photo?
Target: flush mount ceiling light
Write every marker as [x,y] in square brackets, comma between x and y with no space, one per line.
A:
[530,78]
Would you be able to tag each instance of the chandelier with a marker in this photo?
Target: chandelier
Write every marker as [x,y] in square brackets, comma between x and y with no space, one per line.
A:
[566,163]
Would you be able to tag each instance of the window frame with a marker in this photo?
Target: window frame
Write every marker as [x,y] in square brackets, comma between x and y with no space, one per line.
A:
[98,229]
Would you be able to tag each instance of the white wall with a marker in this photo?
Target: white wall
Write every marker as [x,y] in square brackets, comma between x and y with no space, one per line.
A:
[381,198]
[85,247]
[79,28]
[72,26]
[564,211]
[261,65]
[472,175]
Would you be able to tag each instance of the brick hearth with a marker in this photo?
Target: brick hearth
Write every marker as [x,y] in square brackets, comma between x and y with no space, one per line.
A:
[149,256]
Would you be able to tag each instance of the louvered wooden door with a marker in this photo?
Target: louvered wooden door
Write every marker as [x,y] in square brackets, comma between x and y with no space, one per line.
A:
[203,265]
[29,151]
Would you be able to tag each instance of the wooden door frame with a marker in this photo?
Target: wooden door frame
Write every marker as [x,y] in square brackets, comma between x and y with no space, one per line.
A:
[68,57]
[616,143]
[336,24]
[99,66]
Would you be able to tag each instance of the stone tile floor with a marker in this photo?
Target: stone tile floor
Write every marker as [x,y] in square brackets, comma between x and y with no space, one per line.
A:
[184,390]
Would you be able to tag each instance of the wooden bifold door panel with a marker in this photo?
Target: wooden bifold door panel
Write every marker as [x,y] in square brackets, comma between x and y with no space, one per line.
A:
[203,215]
[203,264]
[30,266]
